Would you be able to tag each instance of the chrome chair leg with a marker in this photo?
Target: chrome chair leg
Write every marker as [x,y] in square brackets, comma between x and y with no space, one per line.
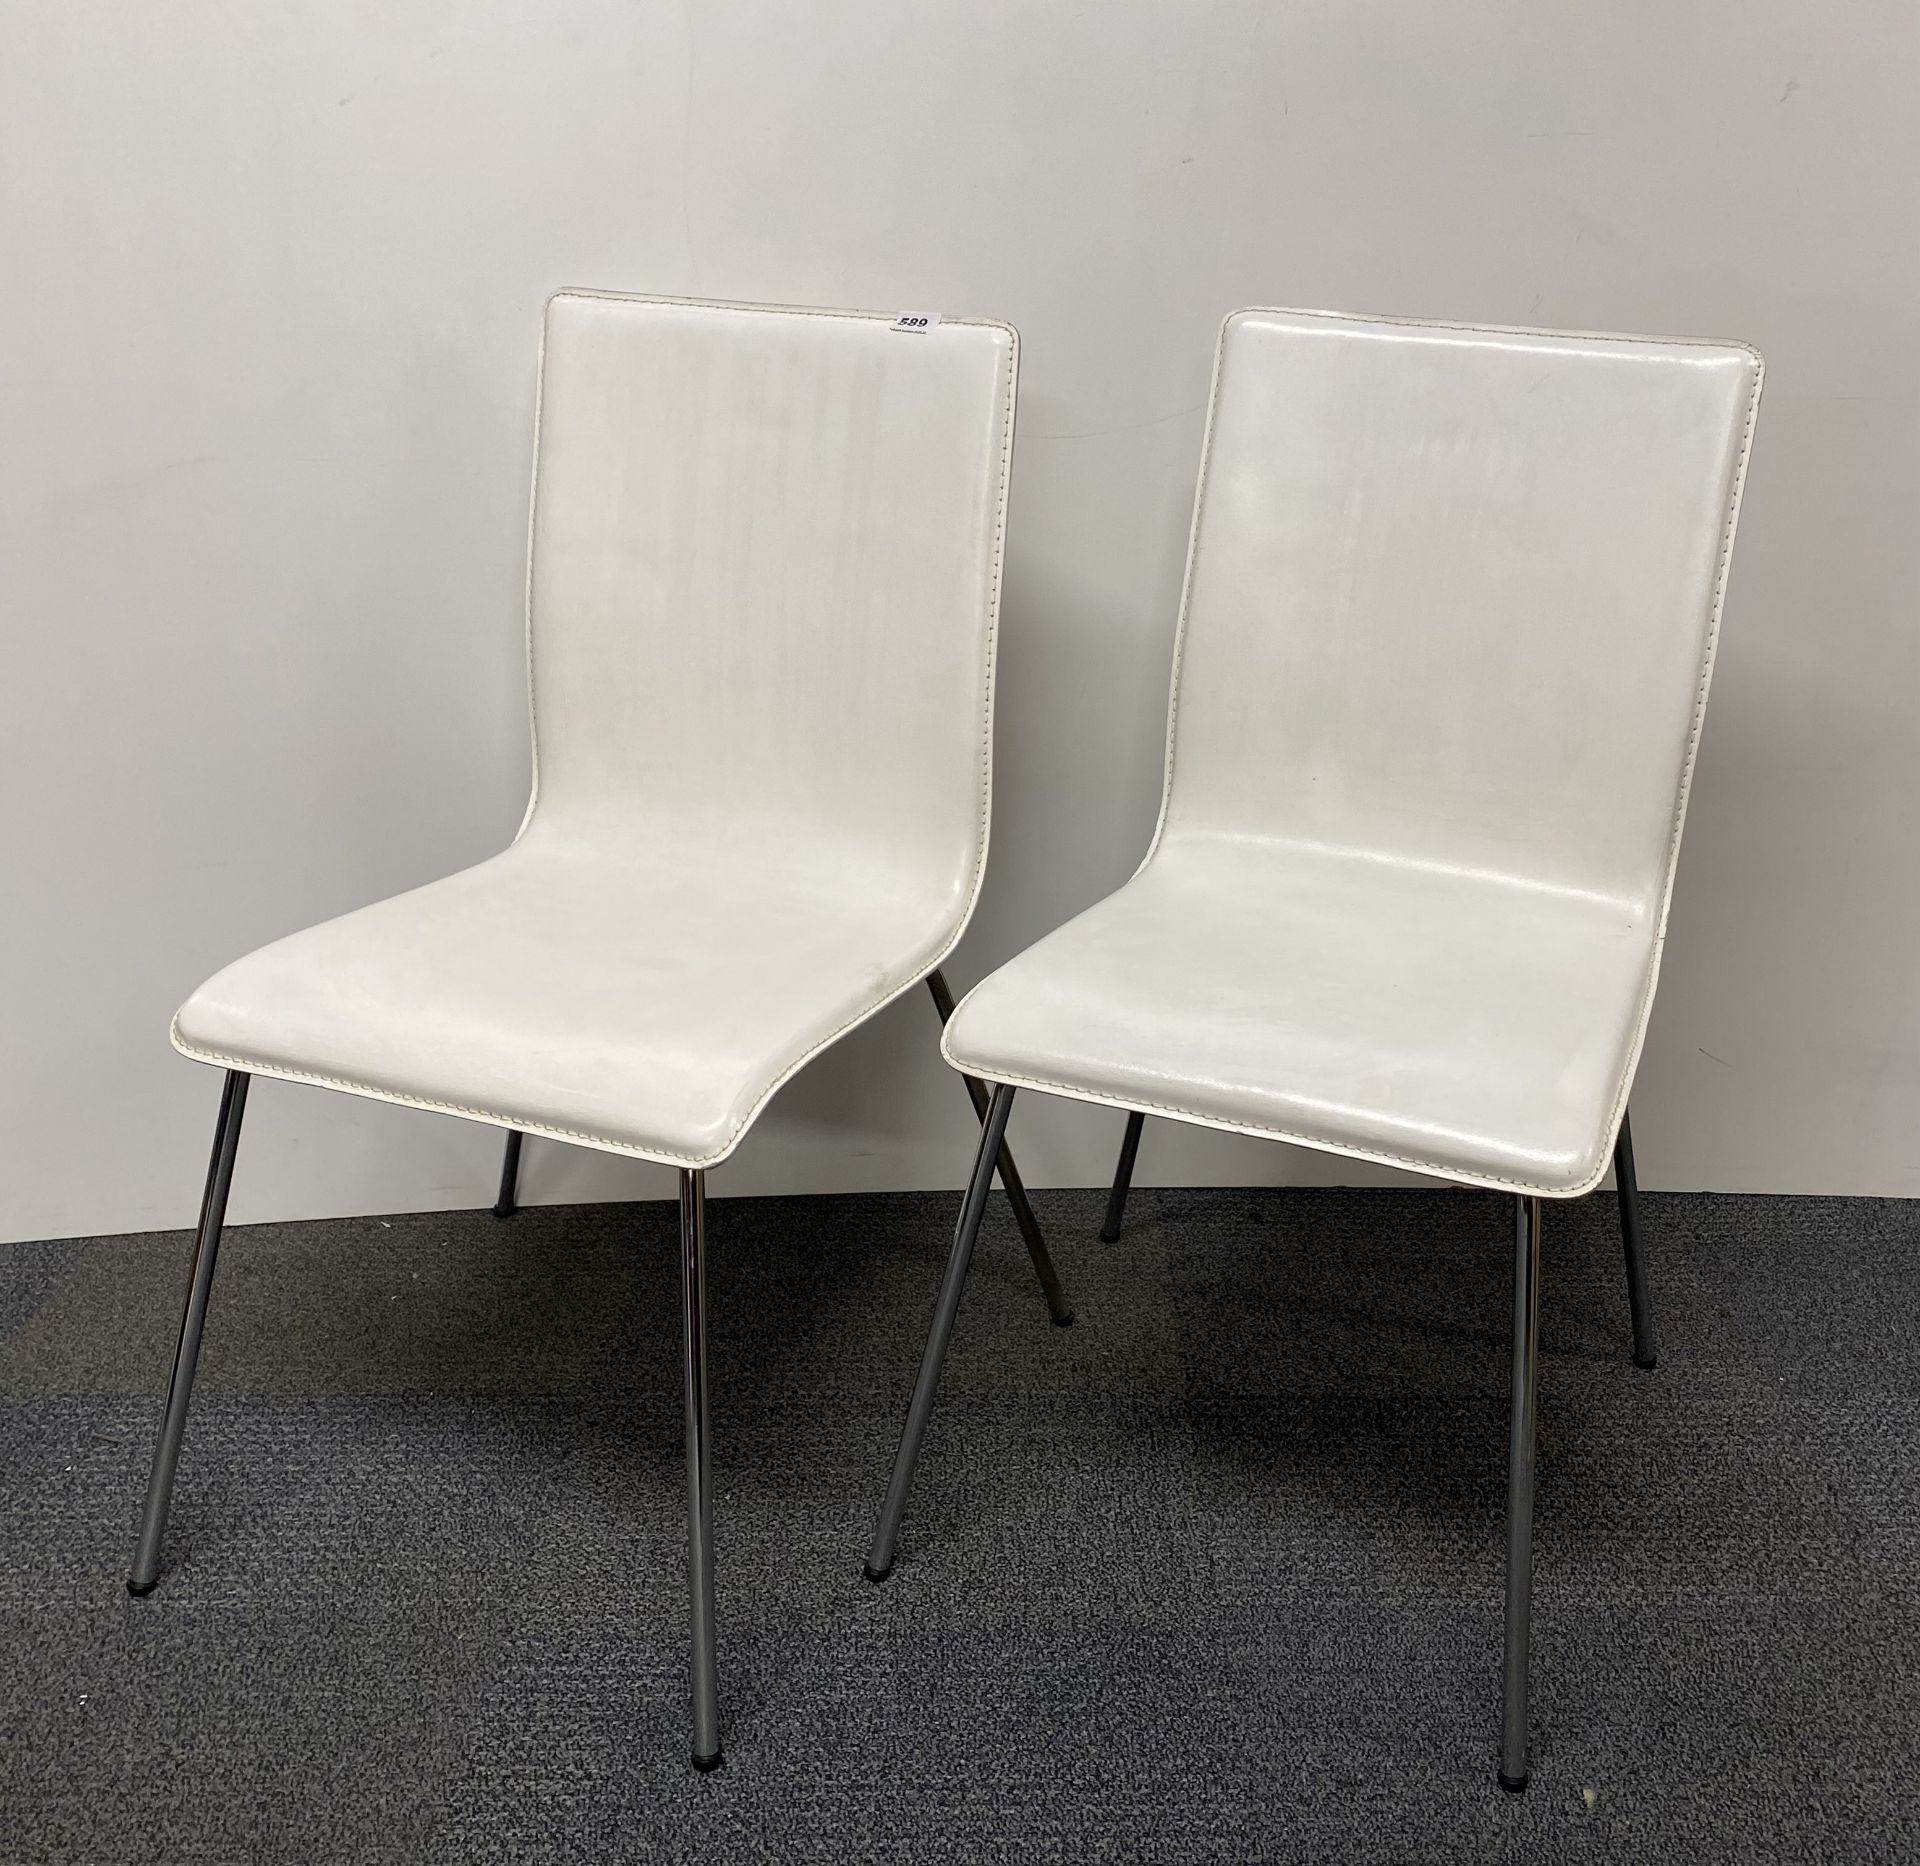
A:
[507,1203]
[693,1308]
[1520,1439]
[1122,1179]
[1644,1352]
[972,1210]
[145,1572]
[1057,1304]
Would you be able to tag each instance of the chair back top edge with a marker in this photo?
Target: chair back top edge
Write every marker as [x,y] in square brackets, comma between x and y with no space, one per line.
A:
[1444,330]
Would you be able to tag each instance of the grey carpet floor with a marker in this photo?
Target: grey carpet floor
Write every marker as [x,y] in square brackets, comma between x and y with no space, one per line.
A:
[1214,1574]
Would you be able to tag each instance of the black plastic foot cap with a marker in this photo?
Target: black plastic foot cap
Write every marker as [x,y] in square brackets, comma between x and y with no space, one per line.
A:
[505,1211]
[1064,1321]
[707,1764]
[1109,1237]
[876,1575]
[1649,1364]
[141,1589]
[1512,1786]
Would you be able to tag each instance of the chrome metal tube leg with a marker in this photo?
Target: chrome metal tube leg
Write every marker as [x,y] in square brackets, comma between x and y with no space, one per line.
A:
[1644,1352]
[507,1203]
[145,1571]
[972,1209]
[693,1306]
[1057,1304]
[1122,1179]
[1520,1436]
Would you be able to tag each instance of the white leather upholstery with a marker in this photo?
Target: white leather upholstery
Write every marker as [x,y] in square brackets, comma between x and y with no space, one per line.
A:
[1450,614]
[763,597]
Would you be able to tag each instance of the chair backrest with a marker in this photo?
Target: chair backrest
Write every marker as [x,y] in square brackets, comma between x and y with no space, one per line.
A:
[1452,595]
[764,579]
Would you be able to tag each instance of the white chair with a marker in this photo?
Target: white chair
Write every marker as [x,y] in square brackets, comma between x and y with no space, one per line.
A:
[762,604]
[1449,618]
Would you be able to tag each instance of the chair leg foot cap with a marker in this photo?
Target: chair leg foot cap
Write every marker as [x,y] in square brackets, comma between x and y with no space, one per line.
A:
[707,1764]
[1513,1785]
[1064,1321]
[505,1211]
[1109,1237]
[1648,1364]
[876,1575]
[141,1589]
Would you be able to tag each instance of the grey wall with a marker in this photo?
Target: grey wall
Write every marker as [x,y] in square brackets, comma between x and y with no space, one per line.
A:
[272,288]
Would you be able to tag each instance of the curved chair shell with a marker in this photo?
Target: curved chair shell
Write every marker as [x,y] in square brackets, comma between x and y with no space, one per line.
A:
[762,607]
[1450,614]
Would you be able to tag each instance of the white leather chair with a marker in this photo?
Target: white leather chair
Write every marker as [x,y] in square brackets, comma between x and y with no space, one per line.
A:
[1449,618]
[762,604]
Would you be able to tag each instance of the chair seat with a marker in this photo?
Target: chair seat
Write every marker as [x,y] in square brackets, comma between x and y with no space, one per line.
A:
[645,1002]
[1459,1024]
